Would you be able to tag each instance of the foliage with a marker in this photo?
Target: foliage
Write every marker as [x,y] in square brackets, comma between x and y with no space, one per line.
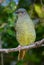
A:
[8,16]
[39,10]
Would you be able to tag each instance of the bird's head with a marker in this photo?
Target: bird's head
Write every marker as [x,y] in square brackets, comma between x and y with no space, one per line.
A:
[21,11]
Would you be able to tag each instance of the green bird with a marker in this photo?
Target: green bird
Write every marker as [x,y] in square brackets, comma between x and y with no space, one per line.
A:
[25,31]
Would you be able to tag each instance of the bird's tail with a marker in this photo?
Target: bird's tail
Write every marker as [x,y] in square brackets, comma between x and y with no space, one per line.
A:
[21,54]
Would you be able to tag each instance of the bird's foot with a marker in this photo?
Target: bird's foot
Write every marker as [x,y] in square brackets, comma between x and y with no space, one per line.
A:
[19,47]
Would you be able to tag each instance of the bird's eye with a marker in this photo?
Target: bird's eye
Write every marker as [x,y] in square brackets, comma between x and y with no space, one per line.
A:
[23,12]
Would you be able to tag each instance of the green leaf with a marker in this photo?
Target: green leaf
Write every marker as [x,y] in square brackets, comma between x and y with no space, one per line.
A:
[10,32]
[39,10]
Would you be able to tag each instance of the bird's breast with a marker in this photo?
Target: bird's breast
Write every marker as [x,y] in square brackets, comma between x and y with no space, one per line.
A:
[25,33]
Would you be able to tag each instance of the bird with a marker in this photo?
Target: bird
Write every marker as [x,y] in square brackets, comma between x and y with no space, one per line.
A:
[25,30]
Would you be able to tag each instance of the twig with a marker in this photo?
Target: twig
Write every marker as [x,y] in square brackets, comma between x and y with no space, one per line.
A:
[41,2]
[3,25]
[2,59]
[34,45]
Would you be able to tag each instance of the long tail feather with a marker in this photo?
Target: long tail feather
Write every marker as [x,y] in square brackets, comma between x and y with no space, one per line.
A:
[21,54]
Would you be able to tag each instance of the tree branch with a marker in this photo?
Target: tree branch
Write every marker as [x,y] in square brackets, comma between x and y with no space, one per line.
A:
[33,45]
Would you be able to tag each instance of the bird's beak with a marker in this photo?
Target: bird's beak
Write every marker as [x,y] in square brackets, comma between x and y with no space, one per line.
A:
[17,12]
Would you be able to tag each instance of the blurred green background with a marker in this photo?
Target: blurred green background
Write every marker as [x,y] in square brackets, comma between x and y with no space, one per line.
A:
[8,18]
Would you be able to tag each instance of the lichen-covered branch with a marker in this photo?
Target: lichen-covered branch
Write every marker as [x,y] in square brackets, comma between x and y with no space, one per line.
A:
[33,45]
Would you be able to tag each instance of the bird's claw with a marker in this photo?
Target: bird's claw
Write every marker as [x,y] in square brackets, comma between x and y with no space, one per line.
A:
[19,47]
